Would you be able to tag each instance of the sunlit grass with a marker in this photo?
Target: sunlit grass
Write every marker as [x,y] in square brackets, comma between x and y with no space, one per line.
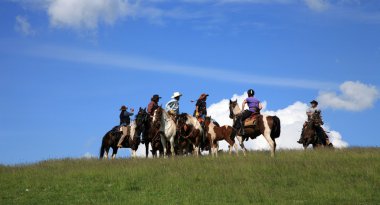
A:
[348,176]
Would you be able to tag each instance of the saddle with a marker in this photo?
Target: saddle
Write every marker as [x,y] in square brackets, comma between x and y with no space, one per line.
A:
[249,122]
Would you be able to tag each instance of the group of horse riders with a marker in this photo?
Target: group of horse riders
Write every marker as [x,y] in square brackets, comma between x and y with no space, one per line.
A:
[200,112]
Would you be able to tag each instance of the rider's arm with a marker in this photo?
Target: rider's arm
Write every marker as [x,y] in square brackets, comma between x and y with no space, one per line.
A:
[260,106]
[243,105]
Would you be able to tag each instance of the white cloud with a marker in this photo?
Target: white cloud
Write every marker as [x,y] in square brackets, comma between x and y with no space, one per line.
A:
[292,118]
[23,26]
[88,155]
[318,5]
[85,14]
[355,96]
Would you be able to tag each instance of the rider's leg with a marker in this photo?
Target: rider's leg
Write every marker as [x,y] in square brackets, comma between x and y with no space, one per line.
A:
[244,116]
[125,131]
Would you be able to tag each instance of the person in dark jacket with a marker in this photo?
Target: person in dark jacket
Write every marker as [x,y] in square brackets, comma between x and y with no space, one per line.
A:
[153,105]
[201,107]
[125,120]
[201,113]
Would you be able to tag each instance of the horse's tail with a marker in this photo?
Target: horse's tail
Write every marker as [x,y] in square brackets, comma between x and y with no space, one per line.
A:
[276,129]
[103,146]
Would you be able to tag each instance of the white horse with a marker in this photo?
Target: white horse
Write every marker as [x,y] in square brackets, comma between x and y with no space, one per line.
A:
[268,126]
[167,128]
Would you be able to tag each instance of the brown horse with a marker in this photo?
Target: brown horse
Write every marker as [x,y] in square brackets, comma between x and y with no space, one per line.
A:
[268,126]
[190,129]
[313,133]
[216,133]
[149,133]
[112,137]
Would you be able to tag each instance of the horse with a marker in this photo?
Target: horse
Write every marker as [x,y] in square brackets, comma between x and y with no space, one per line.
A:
[167,128]
[112,137]
[150,134]
[216,133]
[313,133]
[191,130]
[268,126]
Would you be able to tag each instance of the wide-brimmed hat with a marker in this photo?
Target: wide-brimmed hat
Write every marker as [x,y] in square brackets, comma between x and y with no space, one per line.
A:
[123,107]
[314,102]
[203,96]
[176,94]
[156,97]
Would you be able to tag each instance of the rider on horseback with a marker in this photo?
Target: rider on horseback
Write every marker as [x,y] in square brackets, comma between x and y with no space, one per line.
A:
[310,112]
[153,105]
[172,107]
[201,112]
[254,108]
[124,122]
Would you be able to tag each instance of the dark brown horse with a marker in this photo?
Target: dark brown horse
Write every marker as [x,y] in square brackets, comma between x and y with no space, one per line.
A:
[313,133]
[268,126]
[149,133]
[112,137]
[216,133]
[190,129]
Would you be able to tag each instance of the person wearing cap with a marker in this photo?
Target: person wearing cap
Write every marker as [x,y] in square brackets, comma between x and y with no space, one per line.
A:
[153,105]
[125,120]
[312,109]
[201,107]
[254,106]
[309,112]
[172,107]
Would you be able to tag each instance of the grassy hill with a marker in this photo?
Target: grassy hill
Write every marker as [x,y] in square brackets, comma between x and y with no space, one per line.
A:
[349,176]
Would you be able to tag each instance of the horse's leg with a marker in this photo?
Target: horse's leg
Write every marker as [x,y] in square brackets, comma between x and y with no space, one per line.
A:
[106,152]
[172,145]
[163,141]
[241,142]
[146,149]
[271,143]
[215,148]
[114,152]
[133,153]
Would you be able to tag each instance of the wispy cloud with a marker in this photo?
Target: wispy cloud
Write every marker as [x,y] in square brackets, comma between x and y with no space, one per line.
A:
[23,26]
[317,5]
[130,62]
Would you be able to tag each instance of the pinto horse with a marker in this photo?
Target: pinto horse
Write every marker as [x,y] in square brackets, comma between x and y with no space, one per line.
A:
[167,128]
[149,133]
[313,133]
[216,133]
[112,137]
[191,130]
[268,126]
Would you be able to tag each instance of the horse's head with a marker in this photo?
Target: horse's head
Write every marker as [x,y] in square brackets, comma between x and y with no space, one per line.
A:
[182,119]
[316,118]
[142,118]
[234,108]
[157,117]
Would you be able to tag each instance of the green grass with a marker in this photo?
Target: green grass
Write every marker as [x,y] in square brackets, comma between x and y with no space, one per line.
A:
[349,176]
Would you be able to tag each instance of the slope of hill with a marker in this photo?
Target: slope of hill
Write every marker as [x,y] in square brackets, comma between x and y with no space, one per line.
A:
[349,176]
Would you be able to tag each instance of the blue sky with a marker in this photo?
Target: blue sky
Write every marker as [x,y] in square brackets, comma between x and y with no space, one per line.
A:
[68,66]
